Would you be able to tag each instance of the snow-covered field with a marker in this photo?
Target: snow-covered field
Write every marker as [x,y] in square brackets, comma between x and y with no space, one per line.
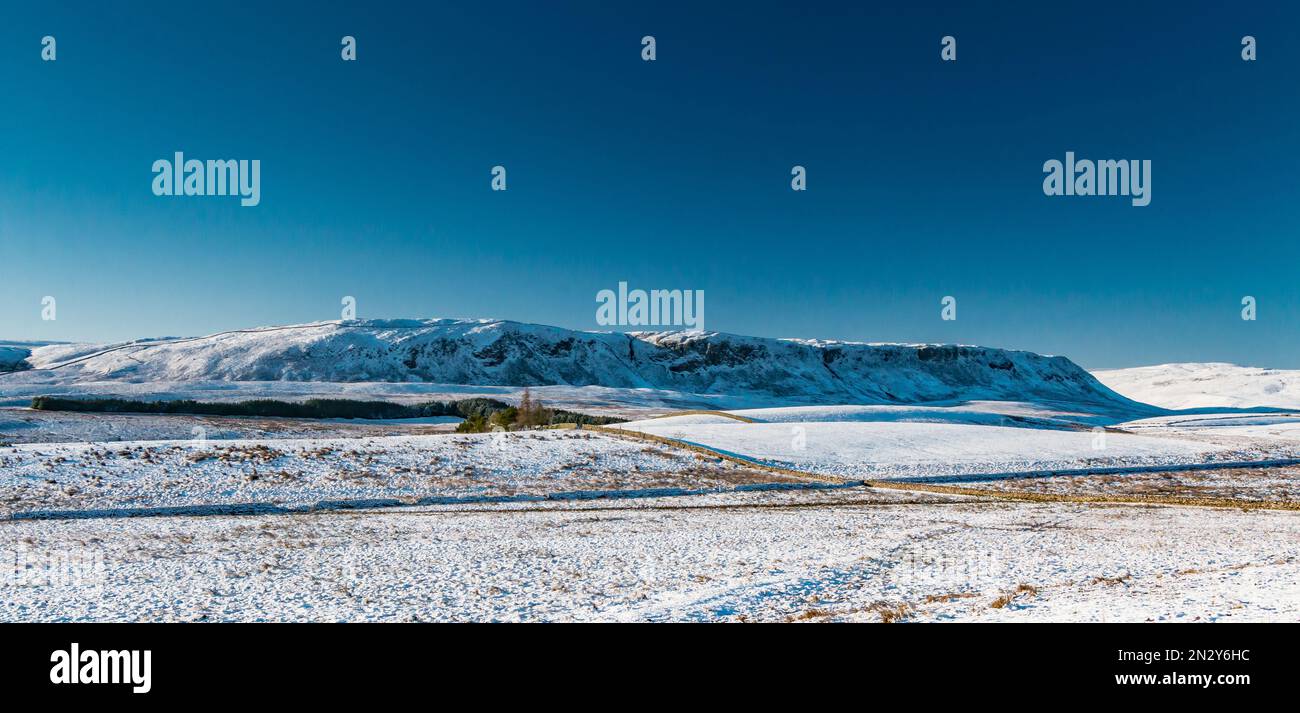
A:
[1277,484]
[24,425]
[132,517]
[574,525]
[1263,432]
[162,477]
[854,555]
[991,413]
[929,451]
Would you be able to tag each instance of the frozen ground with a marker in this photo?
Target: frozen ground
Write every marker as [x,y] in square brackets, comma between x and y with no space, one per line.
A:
[955,451]
[165,477]
[24,425]
[340,521]
[988,413]
[1278,428]
[823,555]
[1273,484]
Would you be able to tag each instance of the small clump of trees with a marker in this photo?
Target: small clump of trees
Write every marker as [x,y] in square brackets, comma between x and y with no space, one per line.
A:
[529,414]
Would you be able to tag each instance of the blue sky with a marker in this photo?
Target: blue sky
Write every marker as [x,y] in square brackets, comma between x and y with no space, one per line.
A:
[924,177]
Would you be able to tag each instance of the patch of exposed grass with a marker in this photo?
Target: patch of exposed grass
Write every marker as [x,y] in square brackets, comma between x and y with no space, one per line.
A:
[810,615]
[1022,590]
[945,598]
[890,614]
[1112,581]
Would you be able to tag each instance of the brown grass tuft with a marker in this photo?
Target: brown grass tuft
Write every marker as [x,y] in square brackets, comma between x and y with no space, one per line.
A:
[1112,581]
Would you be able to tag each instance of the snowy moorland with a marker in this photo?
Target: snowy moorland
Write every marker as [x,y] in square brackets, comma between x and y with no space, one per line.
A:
[1002,485]
[161,477]
[581,525]
[948,451]
[25,425]
[811,556]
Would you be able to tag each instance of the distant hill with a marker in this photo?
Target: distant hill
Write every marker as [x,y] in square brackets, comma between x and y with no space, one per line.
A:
[494,352]
[1209,385]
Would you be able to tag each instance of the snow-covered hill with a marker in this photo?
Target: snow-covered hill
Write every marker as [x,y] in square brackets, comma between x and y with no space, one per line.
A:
[485,352]
[13,354]
[1210,385]
[12,357]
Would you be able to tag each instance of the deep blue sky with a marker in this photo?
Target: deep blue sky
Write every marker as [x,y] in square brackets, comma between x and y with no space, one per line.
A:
[924,177]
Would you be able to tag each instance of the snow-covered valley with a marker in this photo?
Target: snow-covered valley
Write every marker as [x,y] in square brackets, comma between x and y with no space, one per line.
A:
[756,480]
[580,525]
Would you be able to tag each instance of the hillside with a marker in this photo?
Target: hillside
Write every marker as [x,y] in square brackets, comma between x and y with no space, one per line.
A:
[486,352]
[1209,385]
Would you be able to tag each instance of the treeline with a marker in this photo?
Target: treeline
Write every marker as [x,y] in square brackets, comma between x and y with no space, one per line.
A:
[478,410]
